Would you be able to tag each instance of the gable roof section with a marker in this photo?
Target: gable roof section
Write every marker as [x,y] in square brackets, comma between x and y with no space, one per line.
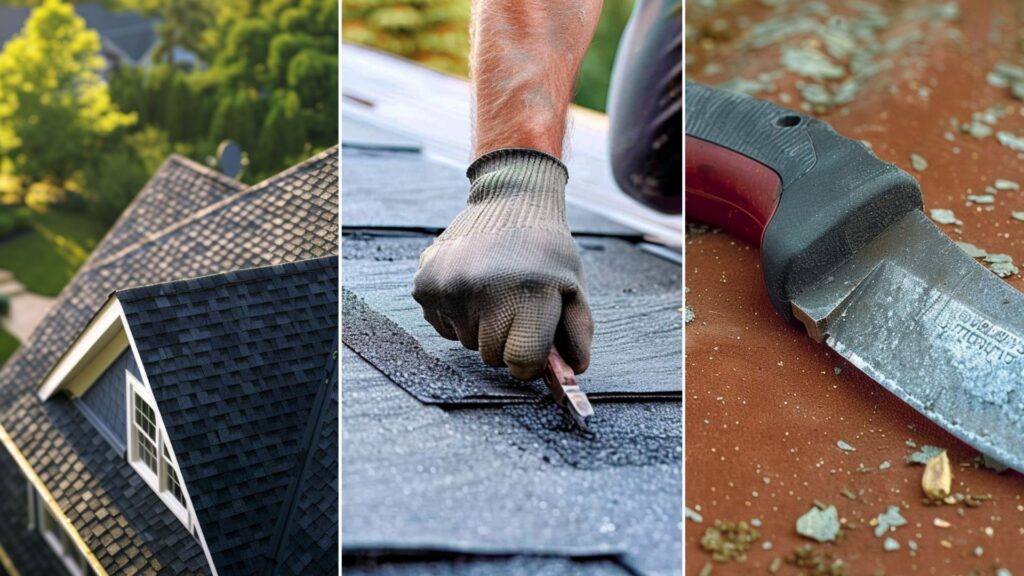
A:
[235,362]
[289,217]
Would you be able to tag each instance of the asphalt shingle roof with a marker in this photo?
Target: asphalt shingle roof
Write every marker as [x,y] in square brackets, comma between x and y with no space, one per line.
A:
[292,216]
[451,467]
[235,362]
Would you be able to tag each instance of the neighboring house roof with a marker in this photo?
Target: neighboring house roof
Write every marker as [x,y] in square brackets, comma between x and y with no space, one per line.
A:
[453,467]
[238,364]
[290,217]
[128,34]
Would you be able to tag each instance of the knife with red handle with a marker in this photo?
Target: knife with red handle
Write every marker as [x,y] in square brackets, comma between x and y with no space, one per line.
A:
[786,182]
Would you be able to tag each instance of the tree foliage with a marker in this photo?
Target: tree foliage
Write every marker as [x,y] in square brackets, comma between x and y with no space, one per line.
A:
[51,85]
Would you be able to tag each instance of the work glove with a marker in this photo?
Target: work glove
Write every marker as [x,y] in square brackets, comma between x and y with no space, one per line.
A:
[504,278]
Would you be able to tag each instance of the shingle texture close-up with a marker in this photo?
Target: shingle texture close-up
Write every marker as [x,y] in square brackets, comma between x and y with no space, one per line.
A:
[212,227]
[453,467]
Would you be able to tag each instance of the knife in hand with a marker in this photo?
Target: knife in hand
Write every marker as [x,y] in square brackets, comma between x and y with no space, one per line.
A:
[848,253]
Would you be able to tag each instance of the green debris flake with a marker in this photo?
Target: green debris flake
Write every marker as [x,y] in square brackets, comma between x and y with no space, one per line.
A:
[926,453]
[706,570]
[1006,185]
[889,520]
[944,216]
[918,162]
[1003,572]
[692,515]
[972,251]
[912,545]
[981,198]
[775,565]
[849,494]
[976,129]
[745,86]
[910,443]
[1017,215]
[818,562]
[891,545]
[819,524]
[727,541]
[996,80]
[1001,265]
[845,447]
[1011,141]
[811,63]
[885,465]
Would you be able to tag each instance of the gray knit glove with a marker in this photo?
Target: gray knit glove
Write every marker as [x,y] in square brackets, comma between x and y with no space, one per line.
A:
[505,278]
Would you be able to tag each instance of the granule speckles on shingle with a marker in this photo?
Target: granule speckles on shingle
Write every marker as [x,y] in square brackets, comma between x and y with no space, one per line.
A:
[918,162]
[819,524]
[1006,185]
[944,216]
[842,445]
[889,520]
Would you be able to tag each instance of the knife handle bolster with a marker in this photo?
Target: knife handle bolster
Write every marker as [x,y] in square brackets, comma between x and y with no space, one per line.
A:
[829,197]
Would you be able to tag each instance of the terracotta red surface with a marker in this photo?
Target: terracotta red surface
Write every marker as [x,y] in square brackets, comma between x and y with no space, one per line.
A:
[764,406]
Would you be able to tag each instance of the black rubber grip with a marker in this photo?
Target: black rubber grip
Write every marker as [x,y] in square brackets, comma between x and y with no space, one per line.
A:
[836,194]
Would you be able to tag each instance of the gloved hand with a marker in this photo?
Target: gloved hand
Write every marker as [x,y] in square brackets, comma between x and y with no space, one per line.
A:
[504,278]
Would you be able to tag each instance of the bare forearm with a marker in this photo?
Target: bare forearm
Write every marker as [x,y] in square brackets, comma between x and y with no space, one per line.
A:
[526,56]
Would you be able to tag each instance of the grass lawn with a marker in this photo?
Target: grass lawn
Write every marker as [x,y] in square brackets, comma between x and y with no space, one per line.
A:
[45,259]
[8,344]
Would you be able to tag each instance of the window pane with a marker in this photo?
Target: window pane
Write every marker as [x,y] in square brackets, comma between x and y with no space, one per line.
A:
[145,437]
[173,481]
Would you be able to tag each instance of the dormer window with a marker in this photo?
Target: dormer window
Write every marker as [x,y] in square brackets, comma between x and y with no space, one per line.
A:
[148,450]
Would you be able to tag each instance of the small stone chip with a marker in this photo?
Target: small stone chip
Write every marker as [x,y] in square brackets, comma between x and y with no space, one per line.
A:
[972,251]
[940,523]
[1006,185]
[944,216]
[1001,265]
[1011,141]
[692,515]
[981,198]
[845,447]
[937,480]
[1017,215]
[819,524]
[776,565]
[689,315]
[706,570]
[891,545]
[926,453]
[1003,572]
[979,551]
[918,162]
[890,519]
[884,465]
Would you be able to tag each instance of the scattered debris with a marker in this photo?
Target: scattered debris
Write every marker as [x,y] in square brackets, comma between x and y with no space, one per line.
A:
[1003,572]
[918,162]
[1017,215]
[891,545]
[937,480]
[775,565]
[976,129]
[944,216]
[980,199]
[727,541]
[845,447]
[1001,265]
[692,515]
[940,523]
[821,524]
[884,465]
[849,494]
[993,464]
[888,520]
[1006,185]
[820,563]
[706,570]
[837,370]
[972,251]
[1011,141]
[812,63]
[689,315]
[926,453]
[979,551]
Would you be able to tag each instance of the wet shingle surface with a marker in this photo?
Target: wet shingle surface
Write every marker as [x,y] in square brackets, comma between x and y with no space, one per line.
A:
[290,217]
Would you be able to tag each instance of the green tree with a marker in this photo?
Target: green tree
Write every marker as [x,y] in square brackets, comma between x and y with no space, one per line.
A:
[183,25]
[55,111]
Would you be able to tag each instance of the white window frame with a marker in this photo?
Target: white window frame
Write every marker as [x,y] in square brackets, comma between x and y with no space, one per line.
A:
[167,464]
[45,522]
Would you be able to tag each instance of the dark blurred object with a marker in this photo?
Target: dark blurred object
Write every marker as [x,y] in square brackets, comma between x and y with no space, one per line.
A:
[645,107]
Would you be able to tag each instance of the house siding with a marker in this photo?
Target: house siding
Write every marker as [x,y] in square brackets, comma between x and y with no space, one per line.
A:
[104,402]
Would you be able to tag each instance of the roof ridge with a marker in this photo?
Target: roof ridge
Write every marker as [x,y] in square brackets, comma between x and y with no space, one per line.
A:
[201,168]
[214,207]
[309,435]
[229,278]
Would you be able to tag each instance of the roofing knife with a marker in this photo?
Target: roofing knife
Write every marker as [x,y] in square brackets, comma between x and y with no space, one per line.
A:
[848,253]
[561,379]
